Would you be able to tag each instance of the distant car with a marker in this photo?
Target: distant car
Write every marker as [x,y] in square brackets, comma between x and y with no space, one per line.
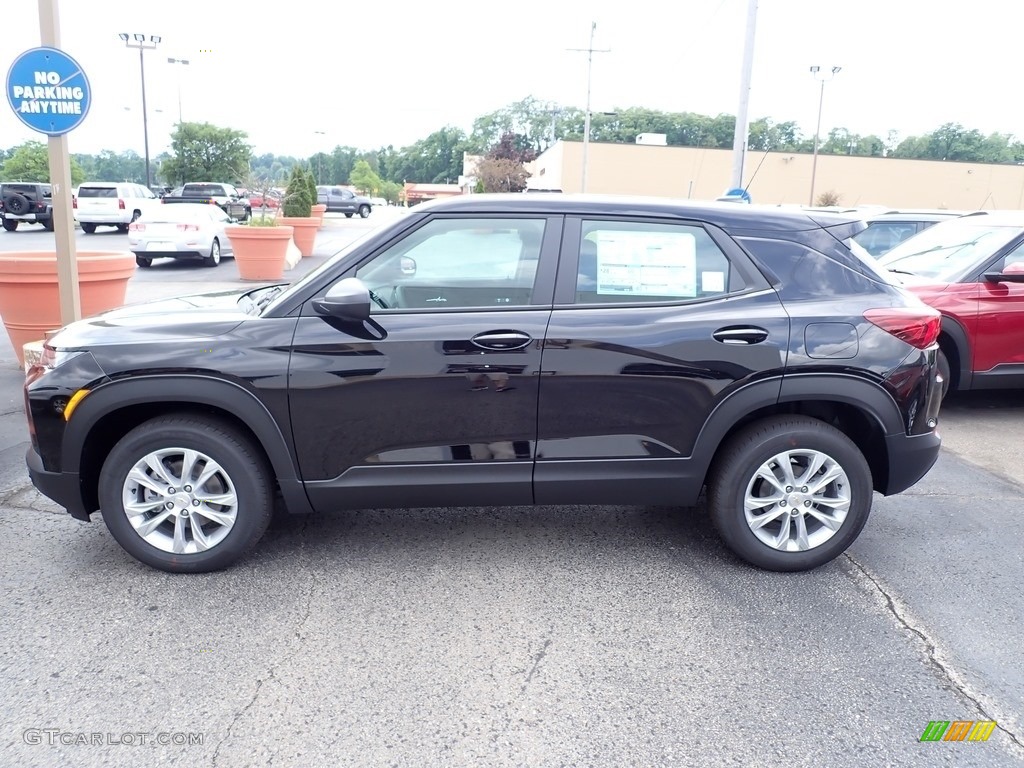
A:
[341,200]
[270,200]
[887,229]
[971,269]
[183,231]
[25,202]
[111,204]
[378,202]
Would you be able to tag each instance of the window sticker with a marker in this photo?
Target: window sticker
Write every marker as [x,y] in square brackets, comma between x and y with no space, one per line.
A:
[712,282]
[646,264]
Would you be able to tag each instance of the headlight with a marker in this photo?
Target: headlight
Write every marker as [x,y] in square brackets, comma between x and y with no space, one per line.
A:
[54,357]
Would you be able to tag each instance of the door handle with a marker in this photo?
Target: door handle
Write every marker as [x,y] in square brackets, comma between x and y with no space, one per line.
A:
[738,334]
[501,340]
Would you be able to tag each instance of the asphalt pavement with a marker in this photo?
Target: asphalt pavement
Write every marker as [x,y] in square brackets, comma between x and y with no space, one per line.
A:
[604,636]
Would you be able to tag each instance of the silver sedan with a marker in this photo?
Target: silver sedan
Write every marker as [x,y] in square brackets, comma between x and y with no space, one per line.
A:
[180,231]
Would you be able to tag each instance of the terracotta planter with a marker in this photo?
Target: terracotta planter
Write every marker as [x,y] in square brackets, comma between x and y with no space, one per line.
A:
[260,251]
[30,296]
[305,231]
[318,212]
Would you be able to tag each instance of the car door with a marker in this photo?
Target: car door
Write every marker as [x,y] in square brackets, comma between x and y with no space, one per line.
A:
[219,222]
[999,340]
[655,323]
[433,400]
[348,201]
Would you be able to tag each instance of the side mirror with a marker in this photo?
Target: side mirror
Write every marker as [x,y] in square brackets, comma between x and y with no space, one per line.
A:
[347,299]
[407,265]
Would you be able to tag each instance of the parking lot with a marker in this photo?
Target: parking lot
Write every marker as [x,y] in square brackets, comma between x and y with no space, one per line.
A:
[590,635]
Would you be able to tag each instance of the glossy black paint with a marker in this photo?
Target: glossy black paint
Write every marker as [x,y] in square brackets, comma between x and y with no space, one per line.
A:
[554,402]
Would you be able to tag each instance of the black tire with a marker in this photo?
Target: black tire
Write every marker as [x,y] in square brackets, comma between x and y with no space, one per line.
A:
[735,471]
[944,371]
[16,203]
[348,215]
[364,211]
[122,228]
[135,216]
[242,475]
[11,225]
[144,261]
[89,228]
[214,258]
[48,224]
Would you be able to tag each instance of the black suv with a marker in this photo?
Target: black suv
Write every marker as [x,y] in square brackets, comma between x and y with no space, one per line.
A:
[25,202]
[507,350]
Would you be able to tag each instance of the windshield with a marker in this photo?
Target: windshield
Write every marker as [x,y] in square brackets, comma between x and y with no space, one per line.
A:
[327,265]
[949,250]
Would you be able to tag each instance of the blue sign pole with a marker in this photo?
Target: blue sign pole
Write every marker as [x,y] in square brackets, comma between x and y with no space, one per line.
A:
[48,91]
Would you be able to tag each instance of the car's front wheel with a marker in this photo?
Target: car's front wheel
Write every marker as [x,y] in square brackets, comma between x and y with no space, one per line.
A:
[185,494]
[789,493]
[144,261]
[214,258]
[364,211]
[88,228]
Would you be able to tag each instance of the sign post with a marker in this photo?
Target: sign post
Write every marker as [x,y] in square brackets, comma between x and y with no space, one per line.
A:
[50,93]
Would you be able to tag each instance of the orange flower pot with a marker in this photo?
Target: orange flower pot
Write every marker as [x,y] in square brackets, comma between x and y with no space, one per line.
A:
[305,231]
[318,213]
[260,251]
[30,295]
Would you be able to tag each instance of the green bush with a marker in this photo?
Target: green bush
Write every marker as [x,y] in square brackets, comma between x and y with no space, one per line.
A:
[296,197]
[311,186]
[263,221]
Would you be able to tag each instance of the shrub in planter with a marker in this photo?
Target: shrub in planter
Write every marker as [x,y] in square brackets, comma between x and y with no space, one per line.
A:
[297,210]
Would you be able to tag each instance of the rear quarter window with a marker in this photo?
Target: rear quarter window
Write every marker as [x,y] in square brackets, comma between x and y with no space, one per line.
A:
[803,272]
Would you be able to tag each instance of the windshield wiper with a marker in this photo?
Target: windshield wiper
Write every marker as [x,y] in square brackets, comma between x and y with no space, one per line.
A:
[902,272]
[268,297]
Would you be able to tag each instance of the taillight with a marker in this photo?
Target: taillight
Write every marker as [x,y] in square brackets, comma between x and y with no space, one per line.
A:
[188,227]
[74,201]
[120,204]
[918,326]
[136,227]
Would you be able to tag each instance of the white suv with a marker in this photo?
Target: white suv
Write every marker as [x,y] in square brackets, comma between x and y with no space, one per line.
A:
[112,204]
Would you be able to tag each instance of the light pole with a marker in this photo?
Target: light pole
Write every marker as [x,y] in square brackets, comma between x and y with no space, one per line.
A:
[142,44]
[590,50]
[319,159]
[824,77]
[178,61]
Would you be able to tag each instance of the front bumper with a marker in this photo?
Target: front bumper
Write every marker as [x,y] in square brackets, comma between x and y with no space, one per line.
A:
[63,487]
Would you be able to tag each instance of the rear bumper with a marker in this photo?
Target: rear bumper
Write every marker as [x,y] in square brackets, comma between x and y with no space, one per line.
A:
[63,487]
[910,458]
[122,217]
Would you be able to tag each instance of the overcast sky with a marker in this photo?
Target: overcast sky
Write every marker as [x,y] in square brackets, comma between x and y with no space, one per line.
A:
[369,74]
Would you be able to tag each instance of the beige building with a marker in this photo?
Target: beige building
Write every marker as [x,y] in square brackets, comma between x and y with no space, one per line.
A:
[778,177]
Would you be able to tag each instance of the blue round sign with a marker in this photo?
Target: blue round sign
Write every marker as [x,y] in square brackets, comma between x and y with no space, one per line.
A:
[48,91]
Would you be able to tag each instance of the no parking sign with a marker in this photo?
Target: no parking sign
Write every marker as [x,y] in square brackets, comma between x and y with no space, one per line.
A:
[48,91]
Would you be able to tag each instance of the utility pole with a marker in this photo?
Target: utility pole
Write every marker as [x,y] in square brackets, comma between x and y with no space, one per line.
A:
[739,141]
[590,51]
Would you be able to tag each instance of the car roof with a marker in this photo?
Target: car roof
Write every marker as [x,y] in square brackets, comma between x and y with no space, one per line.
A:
[103,183]
[916,215]
[723,214]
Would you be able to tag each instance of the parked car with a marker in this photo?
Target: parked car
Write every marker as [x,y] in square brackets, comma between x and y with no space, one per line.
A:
[972,270]
[341,200]
[111,204]
[25,202]
[887,229]
[507,350]
[185,231]
[224,196]
[270,200]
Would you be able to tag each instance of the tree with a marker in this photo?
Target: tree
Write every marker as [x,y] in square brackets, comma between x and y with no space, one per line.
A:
[205,152]
[497,174]
[364,179]
[30,162]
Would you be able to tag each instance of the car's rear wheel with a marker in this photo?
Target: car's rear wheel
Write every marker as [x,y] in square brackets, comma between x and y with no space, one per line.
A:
[10,226]
[364,211]
[214,258]
[48,224]
[789,493]
[348,215]
[144,261]
[185,494]
[88,228]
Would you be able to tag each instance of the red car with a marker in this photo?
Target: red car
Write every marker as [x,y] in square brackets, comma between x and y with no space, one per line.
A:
[971,269]
[256,200]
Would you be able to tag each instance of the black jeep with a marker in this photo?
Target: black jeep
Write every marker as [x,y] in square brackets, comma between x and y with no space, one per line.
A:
[25,201]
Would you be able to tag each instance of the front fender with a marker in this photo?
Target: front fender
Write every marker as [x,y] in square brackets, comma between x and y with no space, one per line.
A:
[194,390]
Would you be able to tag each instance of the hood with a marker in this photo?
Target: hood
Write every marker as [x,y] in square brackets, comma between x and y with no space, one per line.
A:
[197,316]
